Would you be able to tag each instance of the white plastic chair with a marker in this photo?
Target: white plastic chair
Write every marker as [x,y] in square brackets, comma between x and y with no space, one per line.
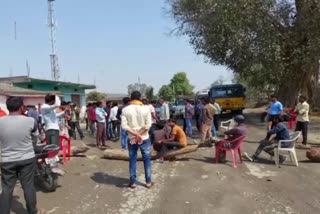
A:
[291,150]
[227,125]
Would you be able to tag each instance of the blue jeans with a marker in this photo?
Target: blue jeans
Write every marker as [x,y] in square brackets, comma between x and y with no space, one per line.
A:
[189,127]
[109,129]
[124,137]
[145,148]
[93,127]
[214,131]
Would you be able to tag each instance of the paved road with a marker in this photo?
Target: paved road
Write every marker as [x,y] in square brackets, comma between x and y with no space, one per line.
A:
[192,184]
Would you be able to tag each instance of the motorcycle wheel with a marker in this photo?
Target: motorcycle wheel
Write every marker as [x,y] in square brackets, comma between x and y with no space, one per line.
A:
[50,182]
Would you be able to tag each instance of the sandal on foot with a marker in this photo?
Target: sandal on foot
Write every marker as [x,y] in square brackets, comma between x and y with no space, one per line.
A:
[149,185]
[159,161]
[132,186]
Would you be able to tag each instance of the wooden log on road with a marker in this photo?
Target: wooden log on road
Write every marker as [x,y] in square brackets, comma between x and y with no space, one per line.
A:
[77,149]
[118,154]
[314,154]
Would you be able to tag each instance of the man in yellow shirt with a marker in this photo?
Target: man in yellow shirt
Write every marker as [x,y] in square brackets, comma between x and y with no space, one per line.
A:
[178,139]
[302,110]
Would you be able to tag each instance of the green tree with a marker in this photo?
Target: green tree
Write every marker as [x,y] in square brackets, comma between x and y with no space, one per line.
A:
[142,87]
[180,85]
[166,92]
[149,93]
[269,43]
[95,96]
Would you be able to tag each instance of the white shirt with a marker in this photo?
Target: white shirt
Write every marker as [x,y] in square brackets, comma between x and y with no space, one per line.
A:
[217,107]
[153,111]
[50,117]
[113,113]
[303,112]
[164,112]
[136,117]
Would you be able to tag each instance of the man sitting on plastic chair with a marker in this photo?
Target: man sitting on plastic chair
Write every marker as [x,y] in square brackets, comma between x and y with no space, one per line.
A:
[268,145]
[237,131]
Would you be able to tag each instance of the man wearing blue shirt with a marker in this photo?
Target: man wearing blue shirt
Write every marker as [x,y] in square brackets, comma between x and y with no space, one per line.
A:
[267,145]
[275,110]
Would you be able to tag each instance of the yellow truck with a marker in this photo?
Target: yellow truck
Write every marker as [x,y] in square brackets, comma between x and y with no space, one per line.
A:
[231,98]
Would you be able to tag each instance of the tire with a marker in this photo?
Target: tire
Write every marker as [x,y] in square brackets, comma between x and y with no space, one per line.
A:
[50,182]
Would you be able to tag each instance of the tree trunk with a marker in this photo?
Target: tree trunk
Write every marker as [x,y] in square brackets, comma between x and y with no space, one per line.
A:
[117,154]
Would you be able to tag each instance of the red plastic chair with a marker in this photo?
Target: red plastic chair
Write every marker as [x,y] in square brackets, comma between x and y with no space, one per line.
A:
[65,148]
[293,119]
[233,151]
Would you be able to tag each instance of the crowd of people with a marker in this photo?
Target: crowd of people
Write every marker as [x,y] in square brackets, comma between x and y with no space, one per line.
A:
[136,122]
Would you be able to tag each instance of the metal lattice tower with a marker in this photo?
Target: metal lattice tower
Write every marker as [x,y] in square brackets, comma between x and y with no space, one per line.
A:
[55,71]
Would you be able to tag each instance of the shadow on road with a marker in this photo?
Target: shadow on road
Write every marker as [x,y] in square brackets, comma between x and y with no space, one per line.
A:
[104,178]
[16,206]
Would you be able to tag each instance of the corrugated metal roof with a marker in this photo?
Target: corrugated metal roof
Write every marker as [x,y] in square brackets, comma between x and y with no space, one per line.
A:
[10,90]
[22,79]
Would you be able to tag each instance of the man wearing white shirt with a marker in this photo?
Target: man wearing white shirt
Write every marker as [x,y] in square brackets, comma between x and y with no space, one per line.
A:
[136,119]
[164,111]
[114,120]
[50,118]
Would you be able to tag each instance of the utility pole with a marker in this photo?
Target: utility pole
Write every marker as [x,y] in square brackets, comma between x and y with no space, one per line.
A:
[28,68]
[55,71]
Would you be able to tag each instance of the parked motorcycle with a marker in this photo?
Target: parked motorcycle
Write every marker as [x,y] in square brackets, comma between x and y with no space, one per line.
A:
[47,162]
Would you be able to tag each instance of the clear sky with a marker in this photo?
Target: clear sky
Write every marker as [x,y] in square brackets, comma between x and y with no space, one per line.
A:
[113,42]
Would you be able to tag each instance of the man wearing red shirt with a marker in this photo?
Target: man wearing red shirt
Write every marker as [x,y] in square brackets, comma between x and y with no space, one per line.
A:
[93,118]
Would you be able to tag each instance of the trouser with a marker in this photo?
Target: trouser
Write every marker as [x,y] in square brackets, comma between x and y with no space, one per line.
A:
[109,129]
[76,125]
[189,127]
[124,138]
[303,127]
[87,123]
[168,145]
[199,123]
[145,149]
[116,128]
[214,131]
[93,127]
[268,147]
[10,173]
[53,137]
[101,134]
[151,130]
[216,122]
[184,125]
[205,132]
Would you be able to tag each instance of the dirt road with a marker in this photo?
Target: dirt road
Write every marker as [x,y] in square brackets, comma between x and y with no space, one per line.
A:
[192,184]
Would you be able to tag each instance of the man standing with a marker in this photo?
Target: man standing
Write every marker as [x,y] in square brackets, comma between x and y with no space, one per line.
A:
[164,114]
[18,159]
[199,114]
[101,125]
[75,121]
[32,112]
[189,111]
[107,109]
[136,119]
[115,122]
[50,118]
[93,118]
[302,110]
[207,123]
[124,133]
[276,109]
[215,126]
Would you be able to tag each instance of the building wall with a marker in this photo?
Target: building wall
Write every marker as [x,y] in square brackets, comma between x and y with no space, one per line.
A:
[67,91]
[26,101]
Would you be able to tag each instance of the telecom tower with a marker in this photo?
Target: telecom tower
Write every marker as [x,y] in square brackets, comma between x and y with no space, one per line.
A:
[55,72]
